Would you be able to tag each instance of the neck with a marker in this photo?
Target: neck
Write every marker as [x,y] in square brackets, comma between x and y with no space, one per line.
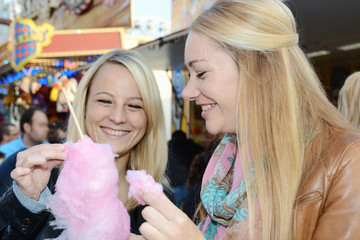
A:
[123,185]
[121,163]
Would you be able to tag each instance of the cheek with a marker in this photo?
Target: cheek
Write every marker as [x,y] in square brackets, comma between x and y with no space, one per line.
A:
[92,112]
[140,122]
[91,116]
[231,88]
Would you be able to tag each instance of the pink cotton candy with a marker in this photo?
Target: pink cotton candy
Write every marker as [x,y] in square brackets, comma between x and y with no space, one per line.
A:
[142,182]
[86,203]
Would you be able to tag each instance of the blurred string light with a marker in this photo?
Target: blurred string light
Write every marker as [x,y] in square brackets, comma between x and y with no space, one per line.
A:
[4,91]
[45,71]
[59,64]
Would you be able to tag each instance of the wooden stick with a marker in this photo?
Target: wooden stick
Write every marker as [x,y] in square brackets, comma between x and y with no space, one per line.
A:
[72,113]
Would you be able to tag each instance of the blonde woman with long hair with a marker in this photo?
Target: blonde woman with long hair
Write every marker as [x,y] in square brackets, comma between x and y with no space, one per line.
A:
[349,99]
[118,103]
[288,167]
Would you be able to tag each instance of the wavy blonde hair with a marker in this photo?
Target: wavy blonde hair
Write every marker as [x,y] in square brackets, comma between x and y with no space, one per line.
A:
[151,152]
[349,99]
[280,102]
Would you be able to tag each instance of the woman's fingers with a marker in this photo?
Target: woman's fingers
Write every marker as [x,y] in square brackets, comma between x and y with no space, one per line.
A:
[33,168]
[30,161]
[162,204]
[19,172]
[165,221]
[53,163]
[151,233]
[40,154]
[135,237]
[157,220]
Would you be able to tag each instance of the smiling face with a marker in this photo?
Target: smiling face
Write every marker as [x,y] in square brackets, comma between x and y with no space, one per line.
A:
[115,109]
[213,82]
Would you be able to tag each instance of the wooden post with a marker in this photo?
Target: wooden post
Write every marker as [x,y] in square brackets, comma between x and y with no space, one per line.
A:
[5,21]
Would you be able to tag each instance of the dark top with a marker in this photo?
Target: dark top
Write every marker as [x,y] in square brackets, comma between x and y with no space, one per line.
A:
[16,222]
[192,200]
[181,152]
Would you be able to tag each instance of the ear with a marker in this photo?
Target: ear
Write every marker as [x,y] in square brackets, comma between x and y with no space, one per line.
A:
[27,127]
[5,137]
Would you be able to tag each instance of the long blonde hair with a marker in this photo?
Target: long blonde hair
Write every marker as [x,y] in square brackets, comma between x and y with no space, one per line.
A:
[349,99]
[151,152]
[280,103]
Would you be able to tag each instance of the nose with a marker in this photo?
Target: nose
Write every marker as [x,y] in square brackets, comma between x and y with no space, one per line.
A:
[117,115]
[191,90]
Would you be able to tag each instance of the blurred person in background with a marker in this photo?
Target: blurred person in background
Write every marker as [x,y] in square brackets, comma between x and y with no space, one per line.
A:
[2,157]
[34,130]
[193,181]
[57,132]
[349,99]
[8,132]
[181,152]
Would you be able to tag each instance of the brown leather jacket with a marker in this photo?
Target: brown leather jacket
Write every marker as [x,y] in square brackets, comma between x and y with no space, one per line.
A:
[328,201]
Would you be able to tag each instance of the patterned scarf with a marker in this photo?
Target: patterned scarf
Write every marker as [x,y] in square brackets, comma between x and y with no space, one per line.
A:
[223,191]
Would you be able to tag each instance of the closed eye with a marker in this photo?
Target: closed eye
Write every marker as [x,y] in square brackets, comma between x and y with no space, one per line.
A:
[135,106]
[199,75]
[104,101]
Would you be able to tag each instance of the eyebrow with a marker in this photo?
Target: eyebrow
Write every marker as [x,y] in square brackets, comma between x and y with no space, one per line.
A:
[136,98]
[98,93]
[131,98]
[191,63]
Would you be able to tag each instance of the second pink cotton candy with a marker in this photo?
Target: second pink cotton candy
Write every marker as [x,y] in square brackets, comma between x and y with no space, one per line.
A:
[140,182]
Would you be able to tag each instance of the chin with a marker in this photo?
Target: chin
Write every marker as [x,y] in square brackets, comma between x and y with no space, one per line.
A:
[213,130]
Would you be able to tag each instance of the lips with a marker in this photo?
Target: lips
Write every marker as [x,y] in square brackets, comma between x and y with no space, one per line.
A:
[114,132]
[206,109]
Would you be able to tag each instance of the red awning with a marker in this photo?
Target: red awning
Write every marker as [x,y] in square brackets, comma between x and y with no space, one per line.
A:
[83,42]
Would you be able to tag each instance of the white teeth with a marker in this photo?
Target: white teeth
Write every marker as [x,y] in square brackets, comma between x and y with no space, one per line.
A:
[114,132]
[207,107]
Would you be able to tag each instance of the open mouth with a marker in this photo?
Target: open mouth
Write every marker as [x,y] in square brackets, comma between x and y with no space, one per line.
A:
[207,107]
[114,132]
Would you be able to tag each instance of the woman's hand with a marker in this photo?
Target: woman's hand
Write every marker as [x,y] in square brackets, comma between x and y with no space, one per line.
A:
[135,237]
[165,221]
[33,168]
